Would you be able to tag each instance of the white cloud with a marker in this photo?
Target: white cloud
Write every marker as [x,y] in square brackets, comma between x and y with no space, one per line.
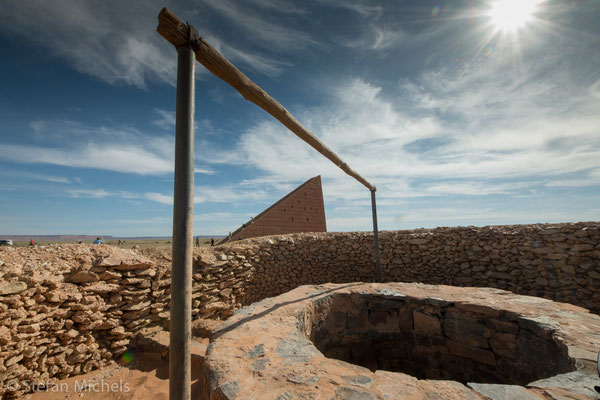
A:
[259,62]
[595,89]
[91,193]
[159,198]
[280,6]
[50,178]
[470,132]
[120,149]
[226,194]
[111,40]
[165,120]
[118,158]
[582,180]
[361,7]
[211,194]
[145,221]
[204,171]
[271,35]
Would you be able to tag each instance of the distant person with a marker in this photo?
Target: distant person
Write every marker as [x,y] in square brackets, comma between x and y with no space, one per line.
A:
[98,240]
[197,241]
[119,242]
[212,242]
[31,243]
[79,241]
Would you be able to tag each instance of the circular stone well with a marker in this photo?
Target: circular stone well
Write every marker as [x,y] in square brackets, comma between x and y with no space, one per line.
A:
[399,340]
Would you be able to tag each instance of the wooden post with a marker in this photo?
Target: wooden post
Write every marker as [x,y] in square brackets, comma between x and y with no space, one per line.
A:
[177,33]
[171,28]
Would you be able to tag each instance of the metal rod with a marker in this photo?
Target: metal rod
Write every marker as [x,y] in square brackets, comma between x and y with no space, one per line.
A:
[376,236]
[183,215]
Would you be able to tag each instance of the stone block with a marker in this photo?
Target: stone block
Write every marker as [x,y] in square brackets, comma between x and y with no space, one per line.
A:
[84,277]
[503,325]
[503,392]
[7,288]
[504,344]
[426,324]
[486,310]
[538,354]
[472,353]
[465,330]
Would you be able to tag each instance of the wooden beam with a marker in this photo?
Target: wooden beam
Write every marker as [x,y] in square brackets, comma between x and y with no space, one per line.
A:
[177,33]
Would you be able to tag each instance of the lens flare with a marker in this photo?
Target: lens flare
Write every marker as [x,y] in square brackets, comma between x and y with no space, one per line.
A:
[127,357]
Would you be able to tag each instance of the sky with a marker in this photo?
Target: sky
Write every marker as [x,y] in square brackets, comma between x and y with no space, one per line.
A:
[457,115]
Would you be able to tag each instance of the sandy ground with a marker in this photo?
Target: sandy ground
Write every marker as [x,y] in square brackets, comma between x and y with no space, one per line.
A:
[144,378]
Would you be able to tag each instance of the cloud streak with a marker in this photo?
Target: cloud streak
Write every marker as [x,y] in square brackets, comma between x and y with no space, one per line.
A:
[118,148]
[113,42]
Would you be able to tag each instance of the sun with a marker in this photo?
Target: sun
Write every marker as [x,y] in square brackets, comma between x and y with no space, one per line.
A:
[510,15]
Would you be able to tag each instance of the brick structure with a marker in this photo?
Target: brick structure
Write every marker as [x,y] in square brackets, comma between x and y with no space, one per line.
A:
[301,210]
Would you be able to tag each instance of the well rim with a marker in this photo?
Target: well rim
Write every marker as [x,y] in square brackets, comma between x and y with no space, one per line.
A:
[265,347]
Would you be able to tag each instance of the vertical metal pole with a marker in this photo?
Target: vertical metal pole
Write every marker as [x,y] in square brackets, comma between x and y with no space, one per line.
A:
[183,213]
[376,236]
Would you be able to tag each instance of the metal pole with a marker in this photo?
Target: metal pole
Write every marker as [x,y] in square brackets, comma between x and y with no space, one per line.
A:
[183,214]
[376,236]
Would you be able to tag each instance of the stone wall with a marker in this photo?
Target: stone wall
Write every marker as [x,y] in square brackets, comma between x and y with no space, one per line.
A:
[65,310]
[559,262]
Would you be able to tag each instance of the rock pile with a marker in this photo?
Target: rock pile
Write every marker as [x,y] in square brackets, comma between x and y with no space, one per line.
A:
[65,310]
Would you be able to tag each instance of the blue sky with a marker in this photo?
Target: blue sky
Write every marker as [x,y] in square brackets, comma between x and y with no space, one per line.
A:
[455,120]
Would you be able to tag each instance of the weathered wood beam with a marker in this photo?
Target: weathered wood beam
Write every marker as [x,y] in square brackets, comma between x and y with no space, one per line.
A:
[177,33]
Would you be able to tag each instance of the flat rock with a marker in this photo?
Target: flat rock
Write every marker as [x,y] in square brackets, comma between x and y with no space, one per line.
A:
[576,382]
[7,288]
[503,392]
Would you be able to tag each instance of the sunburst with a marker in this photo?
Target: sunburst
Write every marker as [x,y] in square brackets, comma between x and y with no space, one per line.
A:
[511,15]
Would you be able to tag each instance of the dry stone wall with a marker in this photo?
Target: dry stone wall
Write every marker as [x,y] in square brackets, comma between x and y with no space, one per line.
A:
[559,262]
[65,310]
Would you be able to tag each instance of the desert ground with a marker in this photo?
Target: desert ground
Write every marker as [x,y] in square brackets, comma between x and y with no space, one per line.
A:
[143,378]
[126,244]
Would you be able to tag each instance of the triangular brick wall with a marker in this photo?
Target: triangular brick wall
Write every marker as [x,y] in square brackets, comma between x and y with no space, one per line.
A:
[301,210]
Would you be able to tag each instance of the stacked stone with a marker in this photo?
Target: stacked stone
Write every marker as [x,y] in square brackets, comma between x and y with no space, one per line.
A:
[560,262]
[54,326]
[432,338]
[67,309]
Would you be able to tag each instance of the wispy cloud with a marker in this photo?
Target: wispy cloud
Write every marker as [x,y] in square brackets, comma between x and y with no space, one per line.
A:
[146,221]
[159,198]
[119,158]
[113,148]
[364,8]
[204,171]
[216,194]
[474,130]
[272,35]
[90,193]
[165,120]
[279,6]
[117,44]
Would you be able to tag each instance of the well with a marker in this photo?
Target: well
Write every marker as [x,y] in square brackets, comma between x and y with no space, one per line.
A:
[395,340]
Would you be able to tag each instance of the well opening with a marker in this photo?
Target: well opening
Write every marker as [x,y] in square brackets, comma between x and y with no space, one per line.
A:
[435,339]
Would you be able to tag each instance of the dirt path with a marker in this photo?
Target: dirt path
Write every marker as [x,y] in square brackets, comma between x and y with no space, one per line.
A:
[143,378]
